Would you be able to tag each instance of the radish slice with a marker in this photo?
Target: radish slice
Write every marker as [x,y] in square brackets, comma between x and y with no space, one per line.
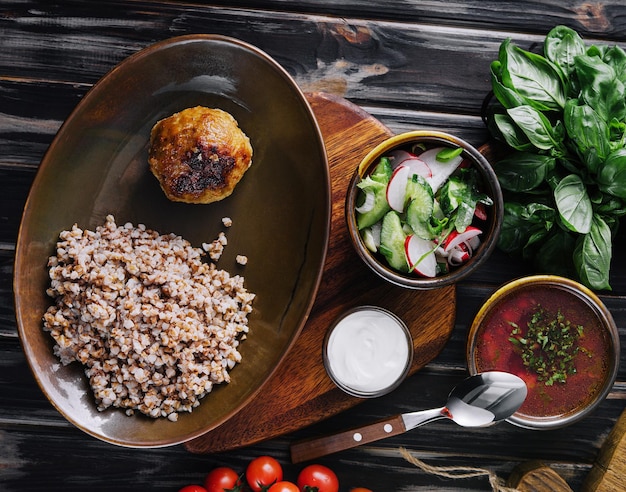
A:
[396,188]
[441,171]
[398,156]
[441,253]
[459,254]
[402,157]
[368,204]
[480,212]
[473,243]
[420,256]
[418,166]
[455,238]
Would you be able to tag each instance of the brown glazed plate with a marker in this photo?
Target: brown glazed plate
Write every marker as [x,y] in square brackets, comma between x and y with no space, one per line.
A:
[97,165]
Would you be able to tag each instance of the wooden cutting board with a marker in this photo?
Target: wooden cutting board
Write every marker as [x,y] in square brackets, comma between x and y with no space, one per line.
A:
[300,393]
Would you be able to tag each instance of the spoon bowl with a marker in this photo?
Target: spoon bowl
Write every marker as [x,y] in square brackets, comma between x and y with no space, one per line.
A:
[499,393]
[479,400]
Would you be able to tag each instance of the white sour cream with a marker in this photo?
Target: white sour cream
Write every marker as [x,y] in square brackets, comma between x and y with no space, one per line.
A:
[368,351]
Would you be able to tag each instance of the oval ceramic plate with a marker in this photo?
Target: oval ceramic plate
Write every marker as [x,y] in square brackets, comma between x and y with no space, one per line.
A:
[97,165]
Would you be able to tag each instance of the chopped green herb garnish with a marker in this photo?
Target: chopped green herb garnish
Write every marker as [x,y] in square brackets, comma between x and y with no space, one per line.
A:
[448,154]
[549,346]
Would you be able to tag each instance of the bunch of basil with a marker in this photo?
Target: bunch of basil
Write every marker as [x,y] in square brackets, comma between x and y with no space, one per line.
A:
[563,116]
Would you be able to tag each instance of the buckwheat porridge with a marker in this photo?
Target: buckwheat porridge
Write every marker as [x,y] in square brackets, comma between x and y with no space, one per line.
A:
[154,326]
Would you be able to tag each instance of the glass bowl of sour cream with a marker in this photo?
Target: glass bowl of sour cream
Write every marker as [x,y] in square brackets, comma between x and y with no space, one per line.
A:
[368,351]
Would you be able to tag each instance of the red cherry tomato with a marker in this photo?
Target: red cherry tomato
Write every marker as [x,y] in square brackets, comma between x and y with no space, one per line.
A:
[360,489]
[193,488]
[263,472]
[221,479]
[318,477]
[284,487]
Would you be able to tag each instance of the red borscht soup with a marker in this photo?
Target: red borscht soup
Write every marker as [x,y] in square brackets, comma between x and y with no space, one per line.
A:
[554,339]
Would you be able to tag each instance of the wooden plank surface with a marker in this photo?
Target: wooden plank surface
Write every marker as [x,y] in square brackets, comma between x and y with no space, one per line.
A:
[411,64]
[592,19]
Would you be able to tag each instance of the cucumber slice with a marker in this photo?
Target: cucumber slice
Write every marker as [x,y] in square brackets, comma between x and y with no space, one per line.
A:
[380,208]
[418,187]
[376,182]
[383,171]
[421,208]
[392,239]
[451,195]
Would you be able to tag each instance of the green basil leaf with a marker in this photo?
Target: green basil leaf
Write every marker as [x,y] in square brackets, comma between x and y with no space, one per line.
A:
[612,222]
[616,58]
[561,46]
[521,223]
[555,255]
[601,88]
[536,127]
[544,217]
[531,76]
[533,243]
[592,160]
[540,212]
[523,171]
[507,97]
[511,133]
[592,255]
[611,177]
[597,50]
[574,204]
[515,230]
[585,127]
[570,163]
[617,129]
[611,206]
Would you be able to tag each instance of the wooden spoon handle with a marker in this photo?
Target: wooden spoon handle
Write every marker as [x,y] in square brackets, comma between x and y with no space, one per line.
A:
[314,448]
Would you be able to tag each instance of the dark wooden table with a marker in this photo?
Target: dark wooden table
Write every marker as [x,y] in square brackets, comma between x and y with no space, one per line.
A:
[411,64]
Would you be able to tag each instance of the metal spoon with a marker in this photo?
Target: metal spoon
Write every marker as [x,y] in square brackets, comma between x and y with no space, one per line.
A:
[477,401]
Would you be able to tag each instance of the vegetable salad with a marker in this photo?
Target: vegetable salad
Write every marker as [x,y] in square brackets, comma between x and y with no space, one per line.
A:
[417,207]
